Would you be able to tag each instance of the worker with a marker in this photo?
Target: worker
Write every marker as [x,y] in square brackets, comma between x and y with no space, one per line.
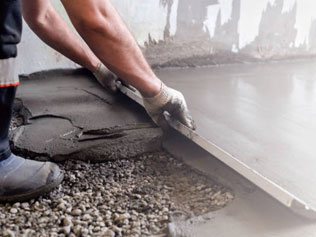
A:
[108,42]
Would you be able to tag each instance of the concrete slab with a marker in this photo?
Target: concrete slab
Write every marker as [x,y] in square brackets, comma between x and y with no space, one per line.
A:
[69,115]
[252,212]
[259,120]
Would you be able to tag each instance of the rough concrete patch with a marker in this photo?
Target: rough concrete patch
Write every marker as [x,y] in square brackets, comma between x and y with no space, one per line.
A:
[68,114]
[131,144]
[77,96]
[68,142]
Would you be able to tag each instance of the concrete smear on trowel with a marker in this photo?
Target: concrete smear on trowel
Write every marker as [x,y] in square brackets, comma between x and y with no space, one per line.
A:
[68,114]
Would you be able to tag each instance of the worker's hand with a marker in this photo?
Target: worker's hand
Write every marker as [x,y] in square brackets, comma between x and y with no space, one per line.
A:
[106,78]
[171,101]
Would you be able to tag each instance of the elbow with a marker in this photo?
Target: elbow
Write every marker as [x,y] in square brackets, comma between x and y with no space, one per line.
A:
[37,21]
[94,23]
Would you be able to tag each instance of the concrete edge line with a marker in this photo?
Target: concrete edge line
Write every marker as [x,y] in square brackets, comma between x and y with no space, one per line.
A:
[289,200]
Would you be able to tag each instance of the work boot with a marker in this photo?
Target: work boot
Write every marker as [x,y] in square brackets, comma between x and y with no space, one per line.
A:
[22,179]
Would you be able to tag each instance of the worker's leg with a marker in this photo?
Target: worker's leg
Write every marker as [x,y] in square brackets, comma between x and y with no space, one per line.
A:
[102,28]
[10,36]
[6,101]
[20,179]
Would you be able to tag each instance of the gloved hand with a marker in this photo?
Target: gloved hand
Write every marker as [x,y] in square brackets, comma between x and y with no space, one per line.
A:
[173,102]
[106,78]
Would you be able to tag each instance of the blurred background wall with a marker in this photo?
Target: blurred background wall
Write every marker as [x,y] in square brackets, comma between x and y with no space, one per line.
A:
[200,32]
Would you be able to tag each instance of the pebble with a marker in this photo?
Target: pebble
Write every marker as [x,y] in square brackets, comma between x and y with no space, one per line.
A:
[66,229]
[25,205]
[116,229]
[77,230]
[16,205]
[76,212]
[67,221]
[109,233]
[61,206]
[86,217]
[13,210]
[122,217]
[8,233]
[84,231]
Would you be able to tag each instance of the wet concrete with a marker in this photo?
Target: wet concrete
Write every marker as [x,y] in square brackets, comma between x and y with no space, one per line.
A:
[68,114]
[262,115]
[252,212]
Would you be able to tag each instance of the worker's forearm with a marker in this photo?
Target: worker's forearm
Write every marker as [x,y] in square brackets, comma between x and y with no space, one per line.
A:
[123,56]
[54,31]
[107,35]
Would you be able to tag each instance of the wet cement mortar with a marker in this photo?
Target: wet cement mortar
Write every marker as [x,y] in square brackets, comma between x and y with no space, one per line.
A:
[134,197]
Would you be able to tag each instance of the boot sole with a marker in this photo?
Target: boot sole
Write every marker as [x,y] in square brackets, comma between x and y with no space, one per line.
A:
[35,193]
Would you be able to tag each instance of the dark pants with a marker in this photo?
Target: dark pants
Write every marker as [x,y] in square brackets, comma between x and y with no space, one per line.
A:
[10,35]
[10,27]
[7,95]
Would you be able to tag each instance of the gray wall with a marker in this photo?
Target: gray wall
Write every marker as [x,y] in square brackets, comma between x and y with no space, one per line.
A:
[201,32]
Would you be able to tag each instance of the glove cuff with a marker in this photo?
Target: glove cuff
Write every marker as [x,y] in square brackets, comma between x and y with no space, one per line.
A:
[99,70]
[160,99]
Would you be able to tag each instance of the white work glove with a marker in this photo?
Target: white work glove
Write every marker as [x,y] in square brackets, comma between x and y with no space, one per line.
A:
[106,78]
[173,102]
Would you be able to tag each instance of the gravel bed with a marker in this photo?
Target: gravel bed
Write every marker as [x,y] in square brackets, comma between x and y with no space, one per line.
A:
[136,197]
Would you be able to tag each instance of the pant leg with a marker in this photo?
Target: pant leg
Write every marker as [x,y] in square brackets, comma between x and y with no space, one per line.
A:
[8,86]
[10,27]
[7,95]
[10,36]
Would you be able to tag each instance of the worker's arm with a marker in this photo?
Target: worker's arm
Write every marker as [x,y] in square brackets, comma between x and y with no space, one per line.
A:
[104,31]
[43,19]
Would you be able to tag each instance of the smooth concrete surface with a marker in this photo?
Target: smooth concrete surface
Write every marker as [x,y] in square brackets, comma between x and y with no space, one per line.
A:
[260,114]
[250,117]
[199,32]
[69,115]
[253,213]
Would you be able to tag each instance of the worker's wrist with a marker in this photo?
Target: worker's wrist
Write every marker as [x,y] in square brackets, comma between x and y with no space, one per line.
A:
[152,88]
[158,100]
[95,67]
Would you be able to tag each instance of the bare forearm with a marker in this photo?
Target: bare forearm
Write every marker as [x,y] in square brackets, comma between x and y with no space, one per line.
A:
[54,31]
[108,37]
[122,55]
